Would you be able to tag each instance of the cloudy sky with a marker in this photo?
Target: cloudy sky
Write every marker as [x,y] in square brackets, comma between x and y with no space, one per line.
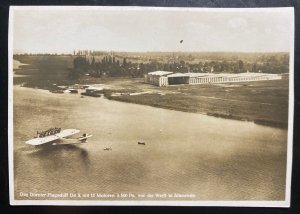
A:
[44,30]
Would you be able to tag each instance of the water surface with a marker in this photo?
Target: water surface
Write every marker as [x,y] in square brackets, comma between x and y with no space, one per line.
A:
[213,158]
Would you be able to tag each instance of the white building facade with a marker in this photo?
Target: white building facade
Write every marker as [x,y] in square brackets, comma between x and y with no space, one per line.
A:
[164,78]
[158,78]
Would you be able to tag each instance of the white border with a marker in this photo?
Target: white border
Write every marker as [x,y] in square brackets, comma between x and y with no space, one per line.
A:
[291,110]
[285,203]
[10,107]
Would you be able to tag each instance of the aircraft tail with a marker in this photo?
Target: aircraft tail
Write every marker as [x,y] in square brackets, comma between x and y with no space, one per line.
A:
[84,137]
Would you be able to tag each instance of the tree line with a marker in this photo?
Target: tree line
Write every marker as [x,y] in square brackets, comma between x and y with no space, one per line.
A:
[111,66]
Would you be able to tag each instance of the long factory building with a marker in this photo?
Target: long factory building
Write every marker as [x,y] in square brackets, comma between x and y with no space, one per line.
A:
[165,78]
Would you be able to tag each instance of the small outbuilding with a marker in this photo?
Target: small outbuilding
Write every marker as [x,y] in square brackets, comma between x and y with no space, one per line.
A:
[158,78]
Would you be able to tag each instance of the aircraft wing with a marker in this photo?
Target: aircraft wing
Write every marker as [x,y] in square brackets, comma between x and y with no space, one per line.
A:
[64,133]
[67,132]
[40,141]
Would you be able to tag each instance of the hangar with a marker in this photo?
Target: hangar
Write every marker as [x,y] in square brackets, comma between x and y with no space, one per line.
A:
[165,78]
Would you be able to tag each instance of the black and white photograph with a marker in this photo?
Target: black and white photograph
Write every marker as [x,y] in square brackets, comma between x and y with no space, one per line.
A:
[150,106]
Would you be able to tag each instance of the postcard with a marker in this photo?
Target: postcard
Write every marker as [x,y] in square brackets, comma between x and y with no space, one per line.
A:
[150,106]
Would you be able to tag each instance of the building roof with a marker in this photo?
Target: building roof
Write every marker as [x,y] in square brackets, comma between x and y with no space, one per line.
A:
[178,75]
[172,74]
[199,74]
[251,74]
[160,73]
[246,74]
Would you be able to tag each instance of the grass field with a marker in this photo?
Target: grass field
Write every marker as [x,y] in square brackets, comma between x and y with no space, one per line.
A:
[264,102]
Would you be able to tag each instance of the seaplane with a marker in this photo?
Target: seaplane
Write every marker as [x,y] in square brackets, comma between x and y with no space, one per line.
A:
[57,136]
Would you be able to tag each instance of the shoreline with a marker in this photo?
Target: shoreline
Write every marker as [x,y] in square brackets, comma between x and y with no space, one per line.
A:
[274,124]
[107,93]
[261,102]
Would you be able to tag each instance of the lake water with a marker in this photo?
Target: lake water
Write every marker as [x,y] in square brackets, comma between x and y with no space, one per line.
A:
[186,153]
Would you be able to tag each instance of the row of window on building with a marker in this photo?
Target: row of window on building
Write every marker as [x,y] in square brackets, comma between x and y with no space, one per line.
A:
[202,80]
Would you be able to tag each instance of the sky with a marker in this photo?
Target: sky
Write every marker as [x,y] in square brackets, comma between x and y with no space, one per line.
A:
[62,30]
